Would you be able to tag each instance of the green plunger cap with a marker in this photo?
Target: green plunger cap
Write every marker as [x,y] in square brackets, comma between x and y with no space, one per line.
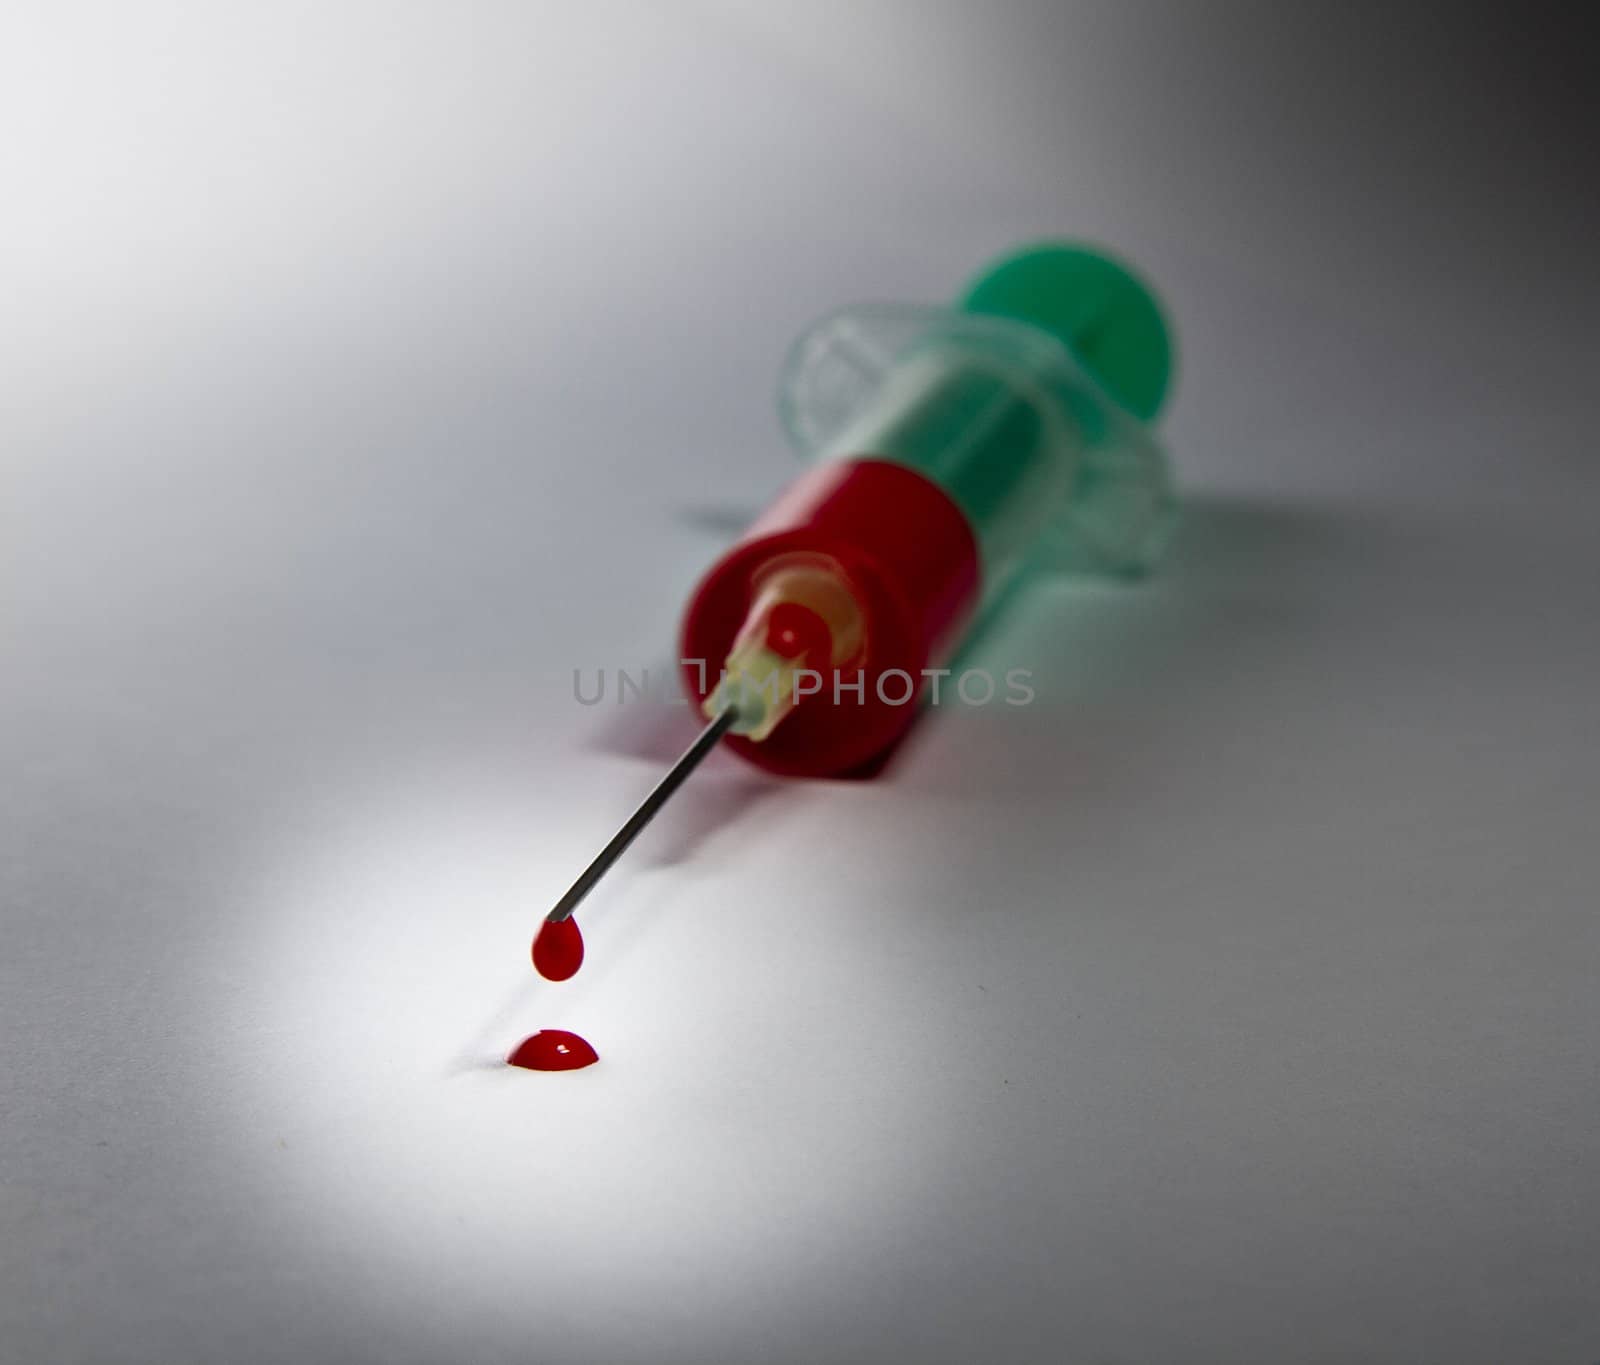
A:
[1095,306]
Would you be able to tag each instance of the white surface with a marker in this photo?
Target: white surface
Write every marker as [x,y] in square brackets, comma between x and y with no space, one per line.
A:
[367,370]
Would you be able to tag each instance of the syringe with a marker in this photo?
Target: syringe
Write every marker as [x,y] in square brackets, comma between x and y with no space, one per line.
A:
[949,447]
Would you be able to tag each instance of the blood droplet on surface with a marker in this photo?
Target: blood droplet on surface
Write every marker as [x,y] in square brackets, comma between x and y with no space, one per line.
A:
[553,1049]
[558,949]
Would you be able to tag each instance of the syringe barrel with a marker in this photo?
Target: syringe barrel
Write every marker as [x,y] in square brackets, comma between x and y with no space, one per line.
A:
[1043,454]
[964,407]
[951,446]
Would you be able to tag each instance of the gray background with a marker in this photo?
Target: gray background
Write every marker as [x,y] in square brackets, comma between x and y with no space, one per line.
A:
[364,369]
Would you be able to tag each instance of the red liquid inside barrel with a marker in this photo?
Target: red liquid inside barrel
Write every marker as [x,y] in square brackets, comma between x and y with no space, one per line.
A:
[558,950]
[553,1049]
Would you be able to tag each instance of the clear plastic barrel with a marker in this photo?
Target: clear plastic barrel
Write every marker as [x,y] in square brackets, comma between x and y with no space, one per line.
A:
[1047,467]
